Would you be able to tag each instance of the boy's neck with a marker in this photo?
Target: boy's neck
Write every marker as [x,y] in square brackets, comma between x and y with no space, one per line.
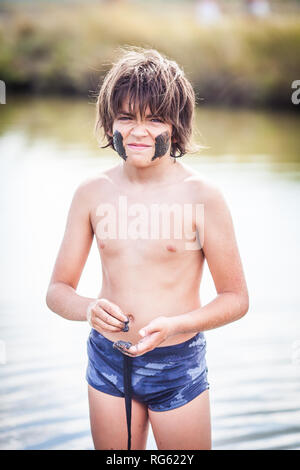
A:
[163,172]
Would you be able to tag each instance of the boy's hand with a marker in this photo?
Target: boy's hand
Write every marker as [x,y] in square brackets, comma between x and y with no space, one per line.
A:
[104,315]
[152,336]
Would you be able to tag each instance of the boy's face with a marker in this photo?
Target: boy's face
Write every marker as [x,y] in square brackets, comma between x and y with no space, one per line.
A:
[141,142]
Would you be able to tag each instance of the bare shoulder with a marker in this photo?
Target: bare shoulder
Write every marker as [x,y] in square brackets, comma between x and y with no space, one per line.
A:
[205,190]
[87,188]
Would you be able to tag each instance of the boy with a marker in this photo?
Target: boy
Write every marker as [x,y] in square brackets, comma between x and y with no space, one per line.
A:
[147,342]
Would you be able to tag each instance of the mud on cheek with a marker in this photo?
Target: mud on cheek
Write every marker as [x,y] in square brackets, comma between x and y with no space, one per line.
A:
[118,144]
[162,143]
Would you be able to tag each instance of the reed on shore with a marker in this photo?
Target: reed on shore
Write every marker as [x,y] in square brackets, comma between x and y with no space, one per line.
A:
[68,48]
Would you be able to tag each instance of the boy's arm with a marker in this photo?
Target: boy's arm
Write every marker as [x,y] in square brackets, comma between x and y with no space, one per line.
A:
[61,295]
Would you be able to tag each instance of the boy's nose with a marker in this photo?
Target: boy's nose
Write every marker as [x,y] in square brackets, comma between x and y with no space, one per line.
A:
[139,130]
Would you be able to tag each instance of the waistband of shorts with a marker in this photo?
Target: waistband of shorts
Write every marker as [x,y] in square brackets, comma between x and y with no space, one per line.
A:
[163,349]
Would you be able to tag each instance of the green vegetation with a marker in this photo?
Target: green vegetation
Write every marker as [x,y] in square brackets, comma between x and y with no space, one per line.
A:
[67,49]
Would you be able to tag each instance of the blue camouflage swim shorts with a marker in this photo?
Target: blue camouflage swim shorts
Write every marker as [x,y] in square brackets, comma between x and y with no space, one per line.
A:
[165,378]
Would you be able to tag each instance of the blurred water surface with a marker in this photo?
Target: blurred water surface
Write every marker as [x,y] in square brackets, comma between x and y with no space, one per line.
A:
[46,149]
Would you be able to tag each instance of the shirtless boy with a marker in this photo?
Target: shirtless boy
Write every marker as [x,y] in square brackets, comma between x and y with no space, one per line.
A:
[152,265]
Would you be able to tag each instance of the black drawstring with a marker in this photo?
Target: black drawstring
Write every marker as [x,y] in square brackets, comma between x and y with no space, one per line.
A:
[127,391]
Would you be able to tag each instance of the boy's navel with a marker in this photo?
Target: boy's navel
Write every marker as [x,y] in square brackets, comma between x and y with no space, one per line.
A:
[171,248]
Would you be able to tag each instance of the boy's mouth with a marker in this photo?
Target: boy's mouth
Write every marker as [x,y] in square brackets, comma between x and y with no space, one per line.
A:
[138,146]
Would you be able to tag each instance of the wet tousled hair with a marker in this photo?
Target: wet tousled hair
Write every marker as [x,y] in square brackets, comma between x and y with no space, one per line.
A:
[146,77]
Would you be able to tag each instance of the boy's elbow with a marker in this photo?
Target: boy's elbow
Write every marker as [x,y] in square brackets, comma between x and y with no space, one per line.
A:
[244,305]
[49,297]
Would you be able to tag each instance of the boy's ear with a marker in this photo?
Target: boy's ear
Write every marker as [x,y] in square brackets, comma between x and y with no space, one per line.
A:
[109,133]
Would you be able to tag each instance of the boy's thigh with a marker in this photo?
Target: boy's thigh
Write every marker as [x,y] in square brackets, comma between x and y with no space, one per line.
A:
[108,422]
[187,427]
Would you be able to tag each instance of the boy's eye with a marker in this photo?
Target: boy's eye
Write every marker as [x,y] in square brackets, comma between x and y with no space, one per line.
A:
[126,118]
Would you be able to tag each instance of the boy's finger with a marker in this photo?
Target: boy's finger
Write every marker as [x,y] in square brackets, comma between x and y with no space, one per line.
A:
[143,346]
[112,309]
[109,319]
[105,326]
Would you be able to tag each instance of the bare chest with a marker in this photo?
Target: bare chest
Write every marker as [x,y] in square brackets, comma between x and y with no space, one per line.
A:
[165,225]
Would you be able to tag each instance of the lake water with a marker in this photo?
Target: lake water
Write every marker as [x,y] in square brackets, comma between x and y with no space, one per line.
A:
[46,149]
